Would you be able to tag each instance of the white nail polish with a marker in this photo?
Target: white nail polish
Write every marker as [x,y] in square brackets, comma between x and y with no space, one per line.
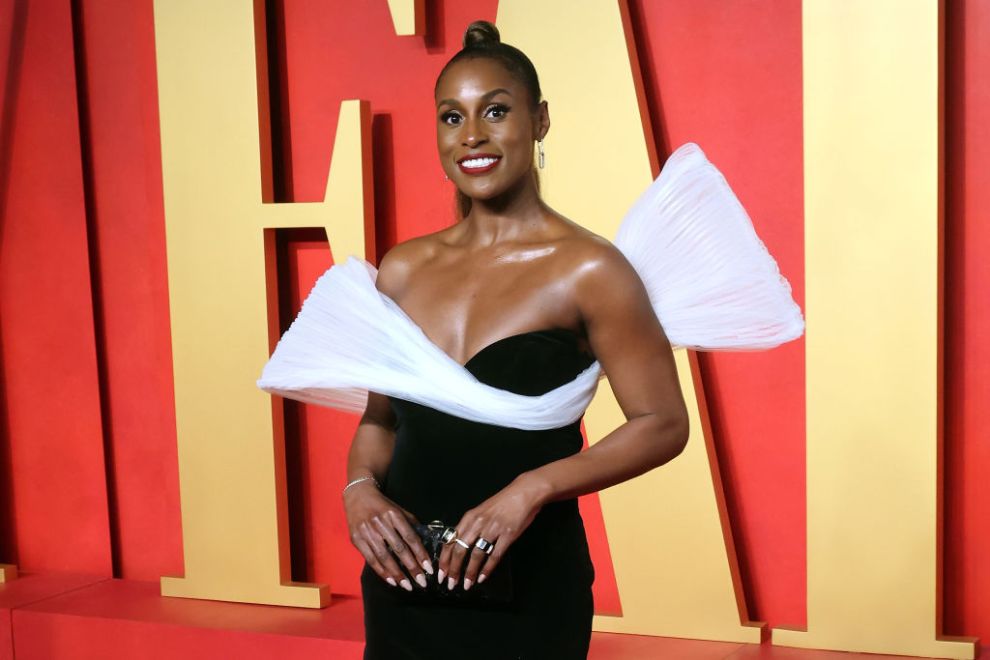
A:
[406,584]
[481,578]
[440,576]
[391,581]
[427,566]
[421,580]
[467,584]
[450,583]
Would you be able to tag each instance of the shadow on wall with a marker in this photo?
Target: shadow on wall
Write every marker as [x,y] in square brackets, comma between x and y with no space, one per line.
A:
[11,85]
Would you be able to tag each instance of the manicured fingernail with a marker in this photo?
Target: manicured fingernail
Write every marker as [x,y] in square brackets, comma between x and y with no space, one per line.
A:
[467,584]
[406,584]
[427,566]
[421,580]
[391,581]
[440,576]
[481,578]
[450,583]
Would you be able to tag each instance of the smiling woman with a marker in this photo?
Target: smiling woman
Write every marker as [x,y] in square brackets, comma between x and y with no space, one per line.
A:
[525,300]
[474,351]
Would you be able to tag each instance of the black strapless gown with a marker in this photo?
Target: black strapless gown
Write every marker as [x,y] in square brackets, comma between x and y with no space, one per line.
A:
[444,465]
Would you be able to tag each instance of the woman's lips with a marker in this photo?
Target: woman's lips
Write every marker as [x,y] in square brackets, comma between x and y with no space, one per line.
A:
[478,164]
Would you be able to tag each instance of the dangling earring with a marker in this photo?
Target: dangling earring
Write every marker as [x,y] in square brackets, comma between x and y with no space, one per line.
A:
[542,159]
[445,177]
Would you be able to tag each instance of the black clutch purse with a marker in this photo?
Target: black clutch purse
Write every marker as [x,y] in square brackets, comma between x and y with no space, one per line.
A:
[496,589]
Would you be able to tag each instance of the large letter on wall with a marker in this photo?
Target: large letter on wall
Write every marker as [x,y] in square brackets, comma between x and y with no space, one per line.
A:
[674,563]
[231,468]
[873,272]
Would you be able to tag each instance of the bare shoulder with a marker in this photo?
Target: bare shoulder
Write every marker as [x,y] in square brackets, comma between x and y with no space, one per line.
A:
[606,290]
[398,265]
[594,261]
[608,296]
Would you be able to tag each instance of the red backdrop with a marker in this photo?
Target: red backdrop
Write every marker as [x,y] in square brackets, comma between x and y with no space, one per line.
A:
[88,476]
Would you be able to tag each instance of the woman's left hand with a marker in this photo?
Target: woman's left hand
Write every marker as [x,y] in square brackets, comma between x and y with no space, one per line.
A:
[500,520]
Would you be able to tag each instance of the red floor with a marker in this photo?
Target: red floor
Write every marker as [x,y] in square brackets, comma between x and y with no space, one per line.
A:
[70,616]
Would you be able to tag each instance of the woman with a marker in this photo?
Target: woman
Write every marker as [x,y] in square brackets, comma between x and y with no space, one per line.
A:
[524,299]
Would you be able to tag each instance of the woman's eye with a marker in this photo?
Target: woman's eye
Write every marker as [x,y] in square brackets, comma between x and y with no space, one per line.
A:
[451,118]
[497,111]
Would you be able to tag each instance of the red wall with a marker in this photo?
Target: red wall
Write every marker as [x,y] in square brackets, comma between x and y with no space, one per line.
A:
[54,499]
[88,477]
[727,75]
[967,317]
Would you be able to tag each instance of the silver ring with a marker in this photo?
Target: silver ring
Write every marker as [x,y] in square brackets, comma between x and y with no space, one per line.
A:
[484,545]
[449,533]
[463,543]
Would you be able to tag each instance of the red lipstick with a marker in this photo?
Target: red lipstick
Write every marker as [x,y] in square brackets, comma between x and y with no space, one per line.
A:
[478,163]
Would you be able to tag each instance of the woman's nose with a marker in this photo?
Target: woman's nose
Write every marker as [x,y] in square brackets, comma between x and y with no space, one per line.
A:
[473,133]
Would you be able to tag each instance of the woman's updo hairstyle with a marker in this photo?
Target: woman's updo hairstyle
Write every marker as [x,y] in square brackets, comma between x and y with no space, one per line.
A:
[482,39]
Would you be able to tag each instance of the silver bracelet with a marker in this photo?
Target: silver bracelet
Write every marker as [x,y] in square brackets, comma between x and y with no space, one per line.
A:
[359,480]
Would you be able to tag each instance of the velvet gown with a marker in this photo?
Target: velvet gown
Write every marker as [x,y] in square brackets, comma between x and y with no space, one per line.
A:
[444,465]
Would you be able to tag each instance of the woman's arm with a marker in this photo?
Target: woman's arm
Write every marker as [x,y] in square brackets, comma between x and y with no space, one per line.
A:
[373,444]
[633,350]
[379,527]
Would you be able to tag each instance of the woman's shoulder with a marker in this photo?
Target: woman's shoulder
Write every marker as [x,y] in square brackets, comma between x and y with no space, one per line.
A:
[590,254]
[402,260]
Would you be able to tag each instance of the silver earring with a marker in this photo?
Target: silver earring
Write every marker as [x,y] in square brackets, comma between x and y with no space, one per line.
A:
[542,159]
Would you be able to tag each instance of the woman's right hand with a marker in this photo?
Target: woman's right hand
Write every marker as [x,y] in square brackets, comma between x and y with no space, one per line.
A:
[376,524]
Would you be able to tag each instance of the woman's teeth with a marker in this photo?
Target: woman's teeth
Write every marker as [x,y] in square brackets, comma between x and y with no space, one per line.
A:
[478,162]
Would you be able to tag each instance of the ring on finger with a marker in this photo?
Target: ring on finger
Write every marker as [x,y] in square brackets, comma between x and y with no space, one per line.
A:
[464,544]
[484,545]
[448,536]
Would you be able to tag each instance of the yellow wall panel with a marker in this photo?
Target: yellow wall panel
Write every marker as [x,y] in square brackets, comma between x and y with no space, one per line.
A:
[8,572]
[408,16]
[872,271]
[231,463]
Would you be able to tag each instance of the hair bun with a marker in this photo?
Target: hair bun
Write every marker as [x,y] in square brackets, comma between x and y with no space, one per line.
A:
[481,34]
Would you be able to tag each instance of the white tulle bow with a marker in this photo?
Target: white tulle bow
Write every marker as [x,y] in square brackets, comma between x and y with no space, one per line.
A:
[711,280]
[350,338]
[712,283]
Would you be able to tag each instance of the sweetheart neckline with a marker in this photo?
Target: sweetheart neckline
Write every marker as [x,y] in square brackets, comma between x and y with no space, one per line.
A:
[498,342]
[480,351]
[518,335]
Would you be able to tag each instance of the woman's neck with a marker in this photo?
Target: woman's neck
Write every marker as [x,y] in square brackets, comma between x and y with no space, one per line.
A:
[504,218]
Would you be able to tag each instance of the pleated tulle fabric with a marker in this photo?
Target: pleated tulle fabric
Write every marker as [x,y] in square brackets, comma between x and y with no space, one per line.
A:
[712,283]
[350,338]
[711,280]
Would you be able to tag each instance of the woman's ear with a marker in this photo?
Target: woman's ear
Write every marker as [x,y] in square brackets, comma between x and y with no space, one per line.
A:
[542,120]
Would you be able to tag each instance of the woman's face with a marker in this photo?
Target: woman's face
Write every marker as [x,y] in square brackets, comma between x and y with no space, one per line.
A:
[485,128]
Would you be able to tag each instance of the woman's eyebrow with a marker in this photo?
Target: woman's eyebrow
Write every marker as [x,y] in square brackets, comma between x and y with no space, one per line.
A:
[498,90]
[484,97]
